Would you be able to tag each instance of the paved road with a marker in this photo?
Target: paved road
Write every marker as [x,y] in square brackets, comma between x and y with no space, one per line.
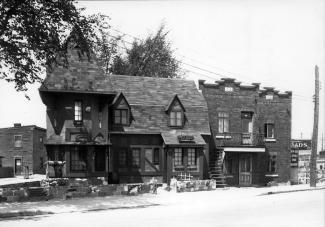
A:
[202,209]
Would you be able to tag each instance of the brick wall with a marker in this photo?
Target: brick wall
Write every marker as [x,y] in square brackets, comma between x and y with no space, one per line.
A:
[24,152]
[251,98]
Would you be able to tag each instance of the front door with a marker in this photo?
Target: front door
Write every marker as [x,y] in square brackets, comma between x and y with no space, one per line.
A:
[100,159]
[18,166]
[245,169]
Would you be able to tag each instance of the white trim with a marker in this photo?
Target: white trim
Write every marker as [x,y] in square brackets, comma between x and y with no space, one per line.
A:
[272,175]
[223,137]
[269,140]
[244,149]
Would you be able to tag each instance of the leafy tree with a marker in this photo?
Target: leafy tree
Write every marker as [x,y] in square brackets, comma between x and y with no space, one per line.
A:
[152,57]
[32,32]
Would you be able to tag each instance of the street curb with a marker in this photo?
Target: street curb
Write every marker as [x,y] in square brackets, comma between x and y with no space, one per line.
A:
[27,213]
[297,190]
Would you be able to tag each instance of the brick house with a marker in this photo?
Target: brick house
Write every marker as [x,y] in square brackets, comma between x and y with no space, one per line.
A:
[22,146]
[126,128]
[251,129]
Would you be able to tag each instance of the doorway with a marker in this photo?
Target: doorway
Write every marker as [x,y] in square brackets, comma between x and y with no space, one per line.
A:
[245,169]
[100,159]
[18,166]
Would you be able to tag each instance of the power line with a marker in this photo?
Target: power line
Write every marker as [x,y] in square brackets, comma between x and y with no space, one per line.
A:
[200,68]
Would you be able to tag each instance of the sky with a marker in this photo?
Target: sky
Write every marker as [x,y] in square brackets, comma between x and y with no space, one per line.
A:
[275,43]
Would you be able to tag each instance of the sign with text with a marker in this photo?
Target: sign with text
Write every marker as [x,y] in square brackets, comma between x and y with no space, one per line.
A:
[294,159]
[186,139]
[301,144]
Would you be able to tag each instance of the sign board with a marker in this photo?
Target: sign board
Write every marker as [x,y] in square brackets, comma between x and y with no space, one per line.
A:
[186,139]
[294,159]
[301,144]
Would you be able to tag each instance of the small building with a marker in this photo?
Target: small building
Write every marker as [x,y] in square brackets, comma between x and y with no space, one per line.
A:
[251,130]
[300,161]
[125,128]
[23,147]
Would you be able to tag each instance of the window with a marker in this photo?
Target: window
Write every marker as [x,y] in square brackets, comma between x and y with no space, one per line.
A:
[18,140]
[229,89]
[269,130]
[176,118]
[78,161]
[223,122]
[179,157]
[228,166]
[272,164]
[78,111]
[121,116]
[191,157]
[41,139]
[268,97]
[122,157]
[156,156]
[136,157]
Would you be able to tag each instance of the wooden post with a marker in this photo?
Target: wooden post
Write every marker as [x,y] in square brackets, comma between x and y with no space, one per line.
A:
[313,167]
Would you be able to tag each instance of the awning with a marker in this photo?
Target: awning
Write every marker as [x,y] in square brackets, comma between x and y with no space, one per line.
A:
[182,139]
[244,149]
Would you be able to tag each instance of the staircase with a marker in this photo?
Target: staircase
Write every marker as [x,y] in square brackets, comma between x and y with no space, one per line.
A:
[215,169]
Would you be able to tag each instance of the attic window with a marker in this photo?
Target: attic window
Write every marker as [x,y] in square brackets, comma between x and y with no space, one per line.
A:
[176,118]
[121,116]
[269,97]
[229,89]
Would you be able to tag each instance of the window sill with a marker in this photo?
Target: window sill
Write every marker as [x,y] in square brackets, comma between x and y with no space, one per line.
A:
[272,175]
[269,140]
[223,137]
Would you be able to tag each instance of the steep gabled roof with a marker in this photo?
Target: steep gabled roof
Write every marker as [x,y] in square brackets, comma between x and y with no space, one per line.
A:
[171,103]
[149,97]
[83,74]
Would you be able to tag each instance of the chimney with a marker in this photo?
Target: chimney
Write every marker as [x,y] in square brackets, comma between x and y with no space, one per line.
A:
[16,125]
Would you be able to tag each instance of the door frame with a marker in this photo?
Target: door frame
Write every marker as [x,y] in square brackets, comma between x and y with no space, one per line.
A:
[21,164]
[240,162]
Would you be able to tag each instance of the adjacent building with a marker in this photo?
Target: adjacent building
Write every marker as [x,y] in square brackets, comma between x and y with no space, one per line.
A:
[22,149]
[125,128]
[251,129]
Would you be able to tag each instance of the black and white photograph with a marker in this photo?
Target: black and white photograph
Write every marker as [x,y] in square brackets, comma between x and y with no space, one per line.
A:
[162,113]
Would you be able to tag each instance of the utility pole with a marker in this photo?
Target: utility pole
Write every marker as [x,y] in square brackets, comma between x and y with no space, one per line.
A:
[313,169]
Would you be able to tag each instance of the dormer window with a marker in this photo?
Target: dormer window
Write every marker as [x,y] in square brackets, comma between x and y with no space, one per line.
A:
[176,118]
[121,110]
[121,116]
[175,111]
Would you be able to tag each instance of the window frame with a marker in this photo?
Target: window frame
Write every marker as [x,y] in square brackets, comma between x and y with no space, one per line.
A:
[124,152]
[223,117]
[78,113]
[138,164]
[120,111]
[16,141]
[266,131]
[156,156]
[191,157]
[272,164]
[178,120]
[178,157]
[73,165]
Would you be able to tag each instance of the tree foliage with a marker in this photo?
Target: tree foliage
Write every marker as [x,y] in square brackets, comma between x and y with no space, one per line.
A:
[151,57]
[32,32]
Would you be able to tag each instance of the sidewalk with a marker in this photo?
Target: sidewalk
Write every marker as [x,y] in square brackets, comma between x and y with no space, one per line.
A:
[19,209]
